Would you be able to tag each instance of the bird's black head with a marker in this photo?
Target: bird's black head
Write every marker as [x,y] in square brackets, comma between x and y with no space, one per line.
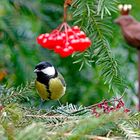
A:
[45,69]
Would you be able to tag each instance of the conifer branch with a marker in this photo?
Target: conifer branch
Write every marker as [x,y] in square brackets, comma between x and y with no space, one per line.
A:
[93,17]
[128,131]
[14,95]
[90,137]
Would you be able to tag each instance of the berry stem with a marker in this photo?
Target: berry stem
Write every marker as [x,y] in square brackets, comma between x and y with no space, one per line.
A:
[66,4]
[95,105]
[61,27]
[65,12]
[66,30]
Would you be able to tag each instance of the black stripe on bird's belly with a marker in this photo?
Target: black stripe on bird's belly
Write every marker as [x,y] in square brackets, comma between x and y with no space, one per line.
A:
[49,93]
[45,80]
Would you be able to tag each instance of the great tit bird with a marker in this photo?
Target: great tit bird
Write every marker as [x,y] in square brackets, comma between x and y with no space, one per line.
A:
[49,83]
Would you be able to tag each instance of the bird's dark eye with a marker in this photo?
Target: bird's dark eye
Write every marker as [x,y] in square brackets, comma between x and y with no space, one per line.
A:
[43,67]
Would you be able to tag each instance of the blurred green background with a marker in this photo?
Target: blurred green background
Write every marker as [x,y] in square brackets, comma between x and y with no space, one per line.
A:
[21,21]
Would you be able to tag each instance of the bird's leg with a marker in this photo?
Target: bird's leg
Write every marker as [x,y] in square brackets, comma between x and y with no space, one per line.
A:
[59,102]
[41,103]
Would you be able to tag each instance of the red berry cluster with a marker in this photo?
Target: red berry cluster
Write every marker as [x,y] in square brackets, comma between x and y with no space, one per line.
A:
[107,107]
[65,40]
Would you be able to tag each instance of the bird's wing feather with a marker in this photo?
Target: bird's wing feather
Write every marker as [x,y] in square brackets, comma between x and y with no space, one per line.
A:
[57,89]
[61,79]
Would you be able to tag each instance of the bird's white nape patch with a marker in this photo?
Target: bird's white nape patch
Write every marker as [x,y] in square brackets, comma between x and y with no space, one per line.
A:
[49,71]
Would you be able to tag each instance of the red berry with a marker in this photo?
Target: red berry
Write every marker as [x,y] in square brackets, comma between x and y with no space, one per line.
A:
[76,29]
[85,43]
[58,41]
[81,34]
[118,106]
[58,49]
[71,49]
[121,103]
[63,34]
[40,38]
[54,32]
[80,44]
[94,110]
[44,43]
[48,43]
[69,32]
[126,110]
[107,110]
[44,40]
[112,108]
[71,37]
[66,44]
[46,35]
[66,52]
[97,115]
[75,43]
[99,105]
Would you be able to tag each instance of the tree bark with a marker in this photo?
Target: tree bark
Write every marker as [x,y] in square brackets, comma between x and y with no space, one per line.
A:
[139,79]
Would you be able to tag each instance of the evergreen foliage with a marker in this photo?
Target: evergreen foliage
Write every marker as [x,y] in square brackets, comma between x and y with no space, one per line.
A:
[20,117]
[18,121]
[17,42]
[94,17]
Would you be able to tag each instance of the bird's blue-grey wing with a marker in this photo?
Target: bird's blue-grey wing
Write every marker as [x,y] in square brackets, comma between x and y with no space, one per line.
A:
[62,79]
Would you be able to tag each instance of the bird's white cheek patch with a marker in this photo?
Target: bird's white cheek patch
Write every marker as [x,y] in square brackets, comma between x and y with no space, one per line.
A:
[49,71]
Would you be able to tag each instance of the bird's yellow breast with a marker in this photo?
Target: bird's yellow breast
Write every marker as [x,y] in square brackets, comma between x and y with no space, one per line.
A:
[56,88]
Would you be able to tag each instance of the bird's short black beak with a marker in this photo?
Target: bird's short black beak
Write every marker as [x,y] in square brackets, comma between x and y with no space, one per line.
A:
[36,70]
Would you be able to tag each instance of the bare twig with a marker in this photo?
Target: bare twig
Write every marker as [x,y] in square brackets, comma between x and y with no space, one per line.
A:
[91,137]
[66,4]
